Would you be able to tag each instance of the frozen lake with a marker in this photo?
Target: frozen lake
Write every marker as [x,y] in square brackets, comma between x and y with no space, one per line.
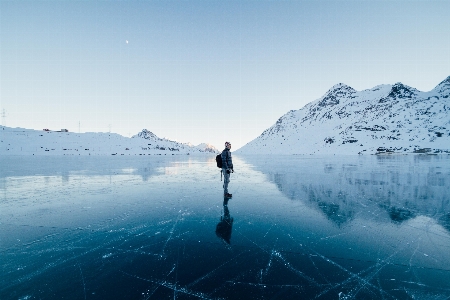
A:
[155,227]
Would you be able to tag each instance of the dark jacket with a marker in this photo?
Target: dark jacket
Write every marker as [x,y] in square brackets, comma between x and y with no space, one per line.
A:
[227,162]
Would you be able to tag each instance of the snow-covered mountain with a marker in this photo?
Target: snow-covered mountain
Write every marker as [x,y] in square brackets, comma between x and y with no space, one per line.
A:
[20,141]
[208,148]
[148,135]
[384,119]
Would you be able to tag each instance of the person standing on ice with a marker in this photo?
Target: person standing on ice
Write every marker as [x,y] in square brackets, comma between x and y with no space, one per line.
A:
[227,168]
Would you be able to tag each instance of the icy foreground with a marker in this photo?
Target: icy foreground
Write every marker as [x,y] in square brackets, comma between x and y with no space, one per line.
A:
[385,119]
[157,227]
[19,141]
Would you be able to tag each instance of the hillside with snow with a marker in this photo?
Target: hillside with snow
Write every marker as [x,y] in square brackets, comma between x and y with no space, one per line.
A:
[19,141]
[385,119]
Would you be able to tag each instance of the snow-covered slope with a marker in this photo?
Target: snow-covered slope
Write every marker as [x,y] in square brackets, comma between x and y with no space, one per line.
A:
[208,148]
[158,142]
[19,141]
[386,118]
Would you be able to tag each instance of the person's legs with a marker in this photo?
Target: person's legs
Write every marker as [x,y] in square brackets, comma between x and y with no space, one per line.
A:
[226,180]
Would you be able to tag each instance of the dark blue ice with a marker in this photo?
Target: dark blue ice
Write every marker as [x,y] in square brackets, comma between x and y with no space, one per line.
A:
[154,227]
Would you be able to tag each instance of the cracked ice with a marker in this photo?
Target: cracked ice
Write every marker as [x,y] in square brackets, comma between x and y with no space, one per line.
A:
[158,228]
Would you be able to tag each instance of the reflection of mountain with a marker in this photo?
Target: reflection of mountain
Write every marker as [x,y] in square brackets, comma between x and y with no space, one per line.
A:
[445,221]
[399,215]
[65,166]
[323,199]
[389,189]
[334,214]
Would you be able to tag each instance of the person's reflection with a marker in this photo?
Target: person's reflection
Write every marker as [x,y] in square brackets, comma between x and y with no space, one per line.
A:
[223,228]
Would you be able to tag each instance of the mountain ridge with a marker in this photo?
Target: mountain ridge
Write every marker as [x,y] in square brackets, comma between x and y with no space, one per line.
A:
[21,141]
[385,119]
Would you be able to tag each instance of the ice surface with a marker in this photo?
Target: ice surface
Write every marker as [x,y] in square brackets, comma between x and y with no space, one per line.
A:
[297,227]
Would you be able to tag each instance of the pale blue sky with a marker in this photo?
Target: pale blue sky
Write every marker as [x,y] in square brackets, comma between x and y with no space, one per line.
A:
[206,71]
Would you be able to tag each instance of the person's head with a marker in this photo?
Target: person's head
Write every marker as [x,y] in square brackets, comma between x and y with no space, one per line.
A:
[228,145]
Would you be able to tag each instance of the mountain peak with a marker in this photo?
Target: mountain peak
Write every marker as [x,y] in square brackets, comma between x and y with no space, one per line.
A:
[444,86]
[340,89]
[147,134]
[445,81]
[399,90]
[207,148]
[165,143]
[336,92]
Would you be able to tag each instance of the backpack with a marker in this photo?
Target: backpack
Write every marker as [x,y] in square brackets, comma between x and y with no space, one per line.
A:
[219,161]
